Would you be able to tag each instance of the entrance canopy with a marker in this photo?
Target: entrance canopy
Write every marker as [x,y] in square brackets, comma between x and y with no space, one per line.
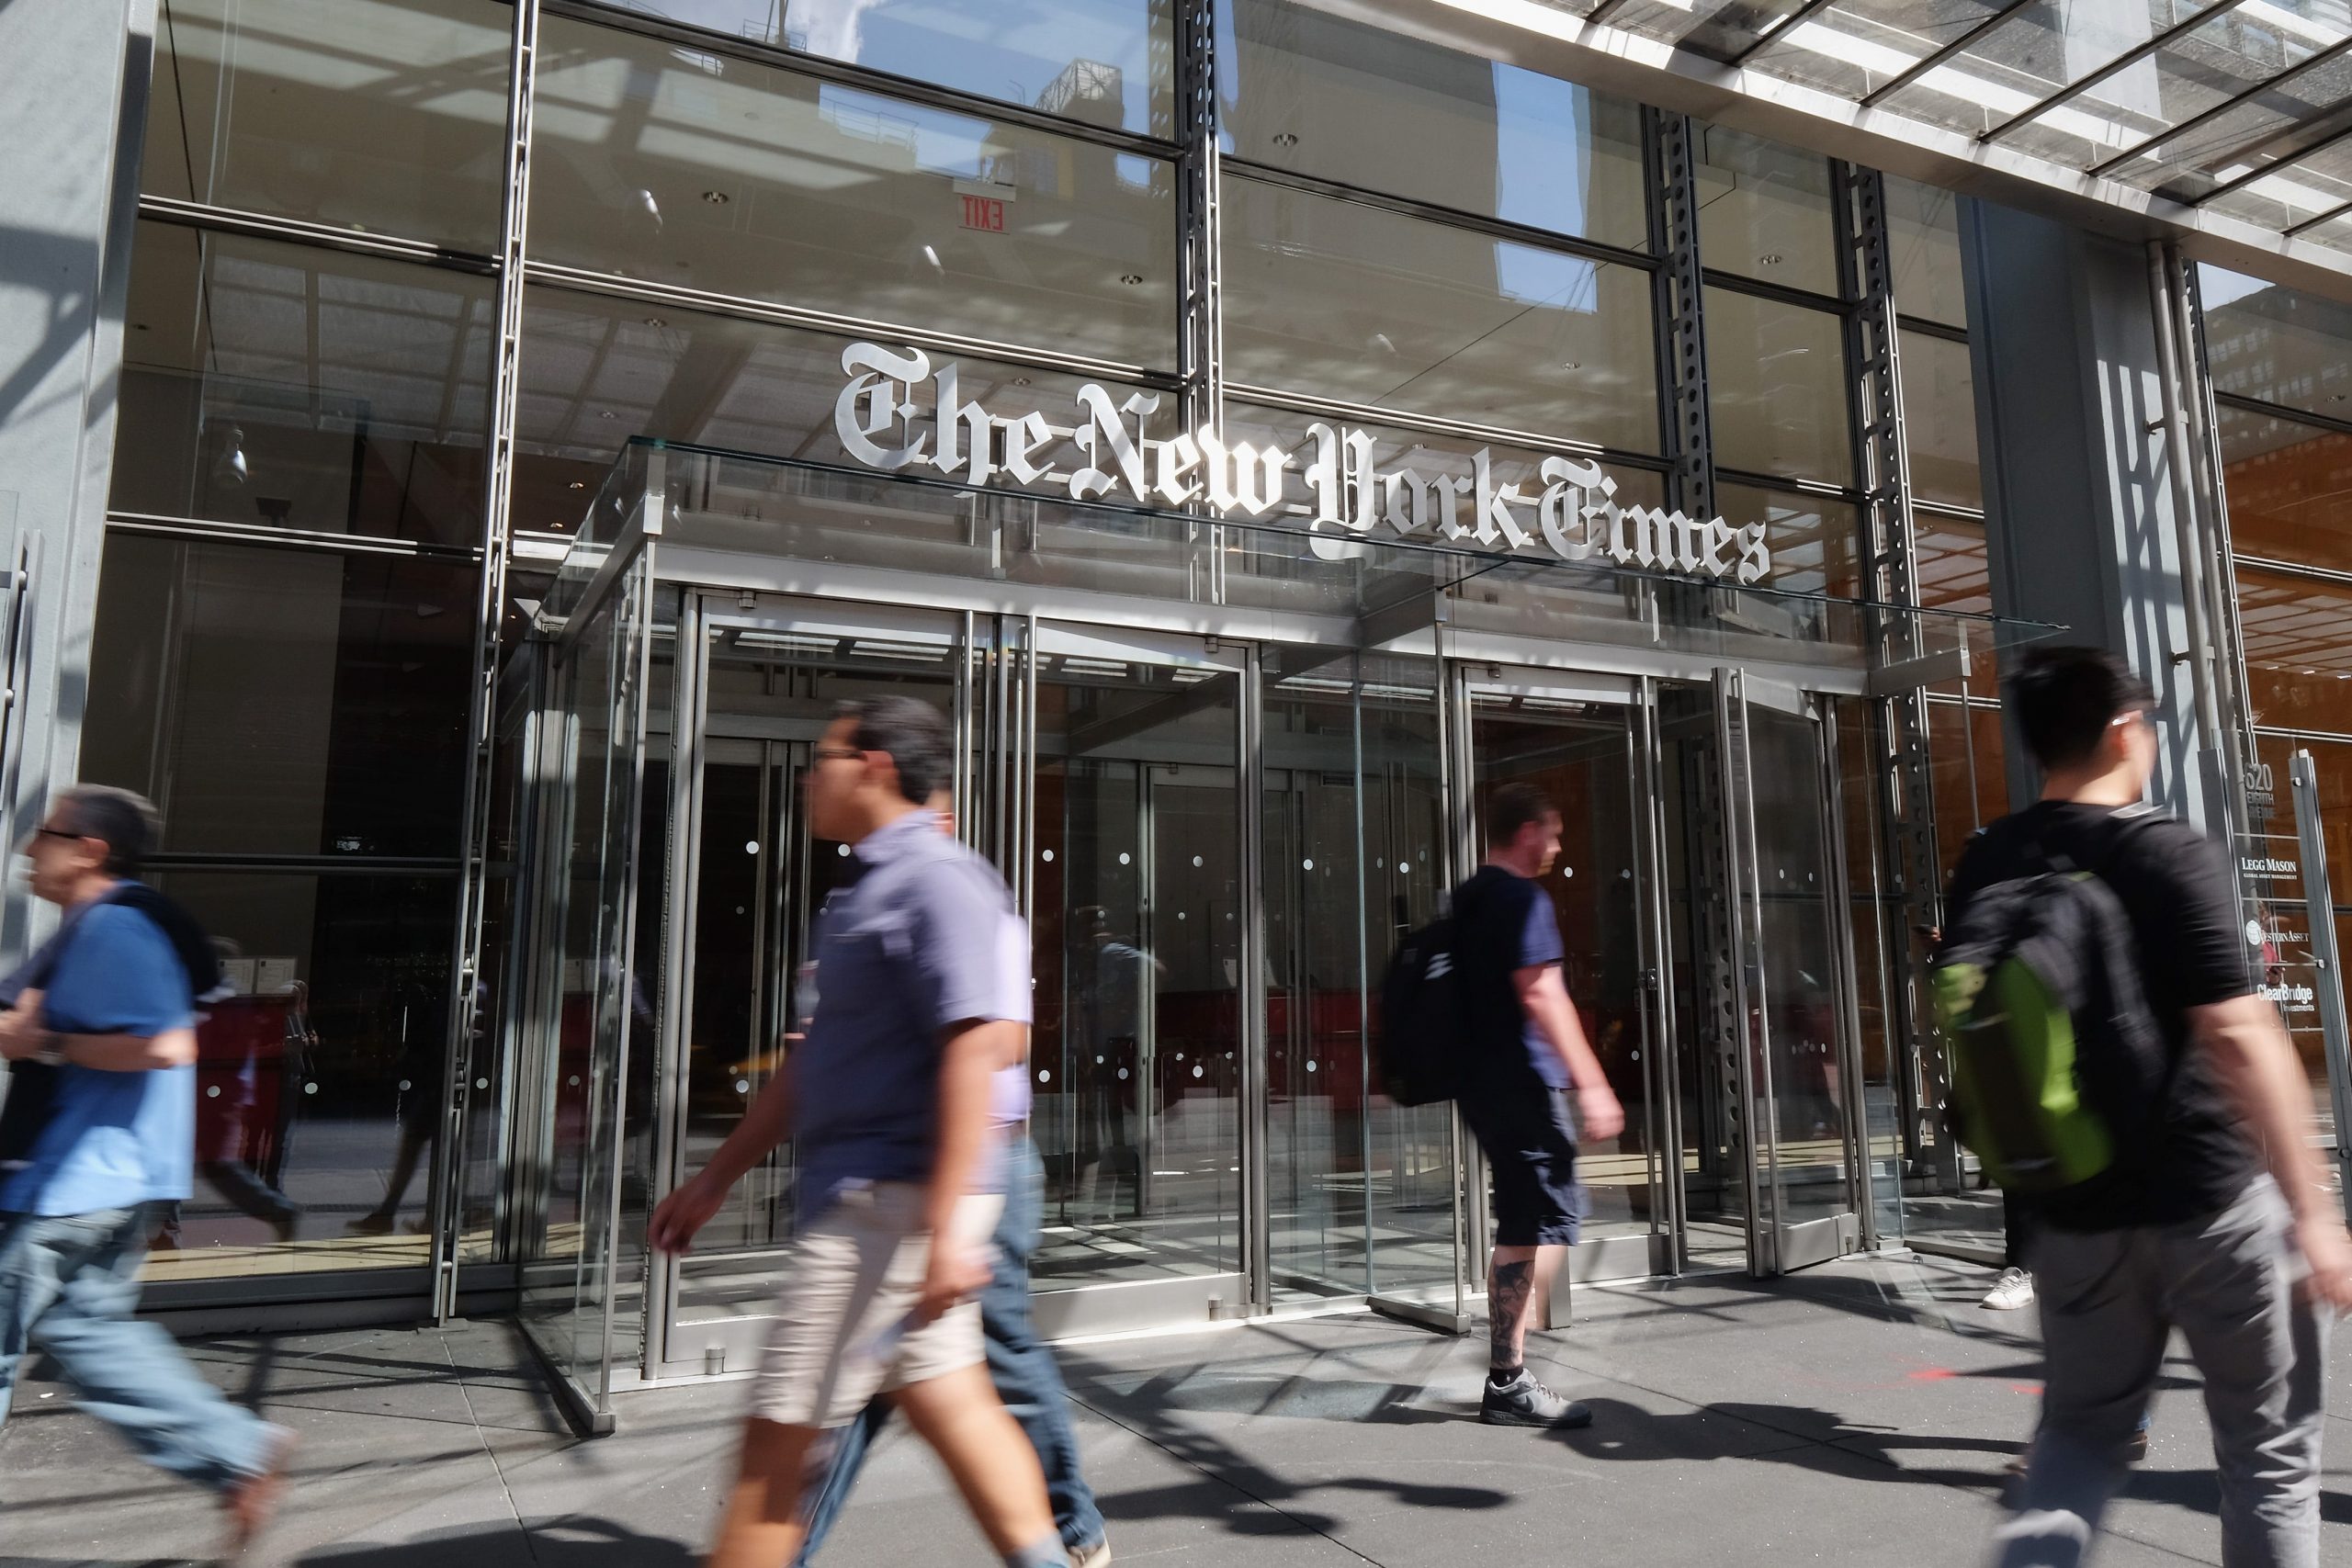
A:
[786,525]
[2226,123]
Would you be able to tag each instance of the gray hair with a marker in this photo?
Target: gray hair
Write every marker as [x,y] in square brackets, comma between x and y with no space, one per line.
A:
[127,823]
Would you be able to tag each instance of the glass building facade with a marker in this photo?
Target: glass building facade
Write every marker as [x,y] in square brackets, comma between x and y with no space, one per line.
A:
[532,422]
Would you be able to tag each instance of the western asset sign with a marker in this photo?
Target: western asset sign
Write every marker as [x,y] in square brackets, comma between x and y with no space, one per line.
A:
[897,412]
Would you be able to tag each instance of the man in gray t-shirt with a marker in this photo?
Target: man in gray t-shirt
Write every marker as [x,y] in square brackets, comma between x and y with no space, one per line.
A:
[888,1101]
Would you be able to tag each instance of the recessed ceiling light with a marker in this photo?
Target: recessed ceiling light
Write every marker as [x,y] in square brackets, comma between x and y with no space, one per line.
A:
[655,322]
[608,415]
[577,484]
[1131,278]
[1021,380]
[1285,139]
[716,198]
[1772,258]
[1572,365]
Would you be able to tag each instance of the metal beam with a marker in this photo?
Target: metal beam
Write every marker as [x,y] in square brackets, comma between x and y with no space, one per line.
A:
[1804,13]
[2276,166]
[2114,67]
[2330,216]
[1960,45]
[2198,122]
[1599,15]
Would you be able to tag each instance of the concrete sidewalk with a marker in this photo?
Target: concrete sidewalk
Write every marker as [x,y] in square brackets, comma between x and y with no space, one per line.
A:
[1858,1414]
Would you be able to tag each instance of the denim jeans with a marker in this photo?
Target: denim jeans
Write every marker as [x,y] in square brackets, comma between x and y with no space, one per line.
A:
[69,1285]
[1024,1371]
[2109,1302]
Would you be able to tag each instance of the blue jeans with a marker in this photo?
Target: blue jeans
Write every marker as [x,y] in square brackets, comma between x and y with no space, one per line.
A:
[1024,1371]
[69,1285]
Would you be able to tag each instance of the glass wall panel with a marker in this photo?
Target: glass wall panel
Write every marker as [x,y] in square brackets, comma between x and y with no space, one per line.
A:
[738,178]
[2286,914]
[1939,420]
[597,371]
[2289,487]
[1923,233]
[319,1083]
[283,701]
[1815,540]
[1765,211]
[2276,344]
[1344,300]
[2298,660]
[1104,62]
[1363,106]
[383,115]
[273,384]
[1778,392]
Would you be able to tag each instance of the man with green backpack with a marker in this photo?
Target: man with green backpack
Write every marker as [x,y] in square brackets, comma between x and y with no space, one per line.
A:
[2113,1062]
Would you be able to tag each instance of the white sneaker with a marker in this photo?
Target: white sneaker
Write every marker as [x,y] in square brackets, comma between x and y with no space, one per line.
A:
[1095,1556]
[2013,1289]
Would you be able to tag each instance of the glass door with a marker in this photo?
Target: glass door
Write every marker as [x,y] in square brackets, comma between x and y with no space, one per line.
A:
[1797,1123]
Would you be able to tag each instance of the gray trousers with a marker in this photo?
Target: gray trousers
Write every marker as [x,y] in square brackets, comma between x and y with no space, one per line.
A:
[2109,1302]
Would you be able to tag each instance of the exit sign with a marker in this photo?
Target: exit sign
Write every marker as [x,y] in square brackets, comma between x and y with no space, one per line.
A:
[983,212]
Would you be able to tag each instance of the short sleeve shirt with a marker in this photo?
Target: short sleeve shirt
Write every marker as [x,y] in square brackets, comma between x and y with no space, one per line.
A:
[114,1140]
[1504,923]
[913,945]
[2174,885]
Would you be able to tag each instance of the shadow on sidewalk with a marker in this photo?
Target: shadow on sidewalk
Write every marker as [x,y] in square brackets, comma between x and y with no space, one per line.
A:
[1821,1441]
[567,1543]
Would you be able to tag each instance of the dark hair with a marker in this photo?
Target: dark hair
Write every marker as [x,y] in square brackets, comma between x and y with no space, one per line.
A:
[1513,807]
[912,731]
[2066,697]
[127,823]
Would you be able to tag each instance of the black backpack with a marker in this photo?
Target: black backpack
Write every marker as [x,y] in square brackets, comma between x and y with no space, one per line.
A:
[2060,1071]
[1421,1018]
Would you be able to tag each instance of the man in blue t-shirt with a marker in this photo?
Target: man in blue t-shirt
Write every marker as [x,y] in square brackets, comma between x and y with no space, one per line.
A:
[1527,1054]
[105,1006]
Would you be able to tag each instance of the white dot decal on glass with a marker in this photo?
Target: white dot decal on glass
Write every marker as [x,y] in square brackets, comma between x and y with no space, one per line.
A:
[752,848]
[481,1083]
[212,1091]
[310,1088]
[1122,1075]
[1196,1072]
[1045,1076]
[1310,1066]
[573,1081]
[841,850]
[1049,857]
[738,909]
[1626,874]
[1307,865]
[742,1085]
[1123,857]
[403,1086]
[1196,860]
[1567,870]
[1180,1055]
[1098,1061]
[1377,866]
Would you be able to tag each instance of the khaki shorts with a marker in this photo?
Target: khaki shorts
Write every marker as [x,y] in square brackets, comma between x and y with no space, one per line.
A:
[854,1275]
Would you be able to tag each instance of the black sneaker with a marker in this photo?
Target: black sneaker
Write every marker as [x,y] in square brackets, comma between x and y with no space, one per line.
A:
[1523,1402]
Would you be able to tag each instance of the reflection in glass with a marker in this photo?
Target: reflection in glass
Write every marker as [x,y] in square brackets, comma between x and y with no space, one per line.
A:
[2287,485]
[1778,393]
[287,386]
[1363,1189]
[2298,665]
[282,702]
[1765,212]
[319,1083]
[1362,106]
[1343,300]
[383,115]
[1859,46]
[1939,420]
[738,178]
[2277,345]
[1923,235]
[2049,45]
[1815,541]
[1104,62]
[1138,950]
[2282,906]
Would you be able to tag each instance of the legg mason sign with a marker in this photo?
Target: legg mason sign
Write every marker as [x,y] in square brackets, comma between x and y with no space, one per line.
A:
[883,422]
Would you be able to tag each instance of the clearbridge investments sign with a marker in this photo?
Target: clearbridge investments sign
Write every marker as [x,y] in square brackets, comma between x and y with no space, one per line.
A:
[898,412]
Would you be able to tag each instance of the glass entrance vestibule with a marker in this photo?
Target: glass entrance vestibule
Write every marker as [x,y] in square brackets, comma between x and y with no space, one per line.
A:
[1222,776]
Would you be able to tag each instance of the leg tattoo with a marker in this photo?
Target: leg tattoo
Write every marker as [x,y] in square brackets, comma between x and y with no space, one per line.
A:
[1507,1302]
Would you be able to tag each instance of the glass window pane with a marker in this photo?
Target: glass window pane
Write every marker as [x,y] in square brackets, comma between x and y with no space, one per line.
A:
[283,701]
[1923,233]
[2049,46]
[1776,397]
[2277,345]
[1713,28]
[2189,166]
[1105,61]
[738,178]
[1815,541]
[597,371]
[2288,488]
[2238,50]
[1939,420]
[1344,101]
[318,1084]
[2298,186]
[1764,211]
[265,383]
[1948,556]
[2287,954]
[1859,46]
[1344,300]
[383,115]
[2298,661]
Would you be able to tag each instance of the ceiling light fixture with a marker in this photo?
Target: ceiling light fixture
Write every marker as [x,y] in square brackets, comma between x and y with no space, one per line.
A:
[577,484]
[655,322]
[716,198]
[1131,279]
[1287,139]
[1772,258]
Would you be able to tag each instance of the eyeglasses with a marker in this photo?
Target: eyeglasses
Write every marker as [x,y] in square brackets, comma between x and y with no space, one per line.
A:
[838,754]
[56,833]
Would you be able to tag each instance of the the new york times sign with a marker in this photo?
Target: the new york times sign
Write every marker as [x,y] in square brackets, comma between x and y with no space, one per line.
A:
[898,412]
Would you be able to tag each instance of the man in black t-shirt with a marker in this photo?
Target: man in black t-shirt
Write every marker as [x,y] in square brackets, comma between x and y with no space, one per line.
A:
[2218,1224]
[1527,1054]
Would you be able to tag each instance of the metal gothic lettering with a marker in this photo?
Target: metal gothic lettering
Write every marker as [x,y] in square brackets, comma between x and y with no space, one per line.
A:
[883,423]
